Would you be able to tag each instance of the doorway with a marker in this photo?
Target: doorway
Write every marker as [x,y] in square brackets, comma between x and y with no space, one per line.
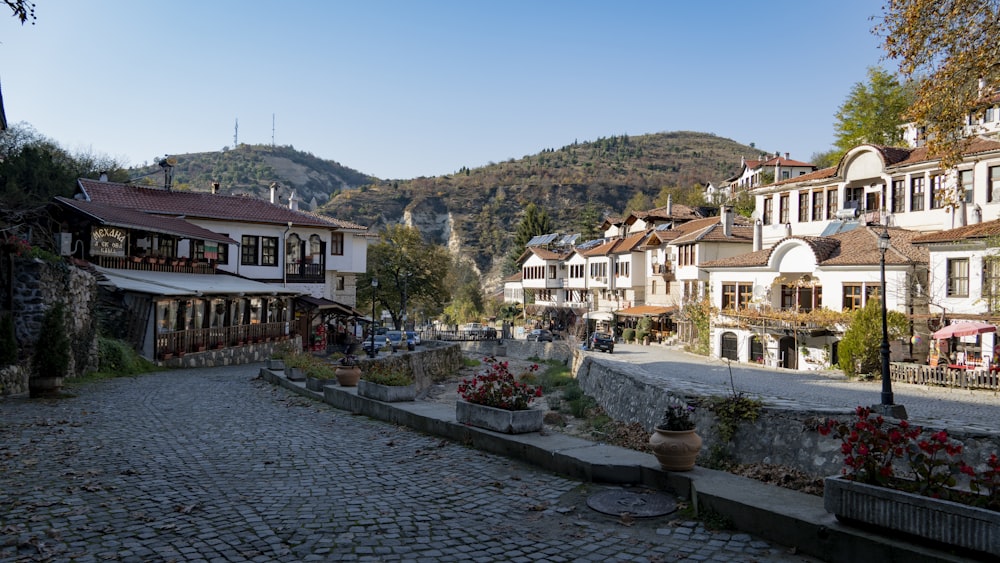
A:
[730,350]
[789,355]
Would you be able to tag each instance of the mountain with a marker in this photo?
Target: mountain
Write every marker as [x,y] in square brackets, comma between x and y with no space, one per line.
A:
[476,211]
[250,169]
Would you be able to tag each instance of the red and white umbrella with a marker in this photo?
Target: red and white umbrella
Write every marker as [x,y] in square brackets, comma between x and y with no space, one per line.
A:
[964,329]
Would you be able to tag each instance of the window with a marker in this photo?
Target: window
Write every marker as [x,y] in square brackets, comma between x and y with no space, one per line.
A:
[991,282]
[768,210]
[552,272]
[831,203]
[898,196]
[168,247]
[937,191]
[803,299]
[315,246]
[269,251]
[993,189]
[958,277]
[817,212]
[990,115]
[340,283]
[917,193]
[198,249]
[337,244]
[783,209]
[965,183]
[223,252]
[736,295]
[803,207]
[852,297]
[248,250]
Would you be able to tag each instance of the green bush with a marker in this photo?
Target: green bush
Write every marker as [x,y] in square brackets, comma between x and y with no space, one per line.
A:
[859,350]
[8,340]
[628,334]
[382,375]
[52,351]
[115,358]
[641,335]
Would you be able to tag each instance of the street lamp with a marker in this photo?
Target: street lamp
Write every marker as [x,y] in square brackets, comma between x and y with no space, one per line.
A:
[887,406]
[371,353]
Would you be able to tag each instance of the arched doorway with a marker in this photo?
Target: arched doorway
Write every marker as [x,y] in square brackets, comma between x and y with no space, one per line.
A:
[756,349]
[789,355]
[729,347]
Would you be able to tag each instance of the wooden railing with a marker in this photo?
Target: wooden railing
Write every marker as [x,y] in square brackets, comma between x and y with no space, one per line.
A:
[305,272]
[153,264]
[181,342]
[945,376]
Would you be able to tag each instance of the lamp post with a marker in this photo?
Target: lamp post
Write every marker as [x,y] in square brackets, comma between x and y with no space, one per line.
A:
[586,323]
[887,405]
[371,352]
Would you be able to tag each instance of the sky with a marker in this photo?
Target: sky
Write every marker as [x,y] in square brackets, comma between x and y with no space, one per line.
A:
[402,89]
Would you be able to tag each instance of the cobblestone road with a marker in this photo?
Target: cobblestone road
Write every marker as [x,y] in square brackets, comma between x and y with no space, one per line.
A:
[214,465]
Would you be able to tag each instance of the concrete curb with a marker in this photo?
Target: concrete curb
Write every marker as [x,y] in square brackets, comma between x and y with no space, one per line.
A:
[780,515]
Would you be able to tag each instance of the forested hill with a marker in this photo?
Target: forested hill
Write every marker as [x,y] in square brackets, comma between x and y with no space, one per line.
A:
[251,169]
[475,211]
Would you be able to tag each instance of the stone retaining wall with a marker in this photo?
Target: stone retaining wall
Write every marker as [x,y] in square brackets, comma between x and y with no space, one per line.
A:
[783,435]
[432,362]
[560,351]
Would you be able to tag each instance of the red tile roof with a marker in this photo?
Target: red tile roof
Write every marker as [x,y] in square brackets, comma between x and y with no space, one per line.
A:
[203,205]
[130,219]
[980,230]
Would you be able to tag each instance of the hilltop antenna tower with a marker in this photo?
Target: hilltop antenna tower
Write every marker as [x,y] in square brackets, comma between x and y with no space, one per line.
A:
[272,130]
[236,134]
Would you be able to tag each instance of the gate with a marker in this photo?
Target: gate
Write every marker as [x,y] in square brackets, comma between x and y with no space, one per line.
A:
[729,347]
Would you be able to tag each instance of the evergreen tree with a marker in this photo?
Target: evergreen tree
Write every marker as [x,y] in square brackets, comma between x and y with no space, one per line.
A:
[859,351]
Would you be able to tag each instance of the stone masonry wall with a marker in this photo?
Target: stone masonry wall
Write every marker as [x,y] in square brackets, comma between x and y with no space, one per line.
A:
[783,435]
[433,362]
[36,285]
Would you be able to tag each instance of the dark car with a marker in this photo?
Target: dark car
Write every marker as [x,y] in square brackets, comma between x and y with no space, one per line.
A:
[603,341]
[540,335]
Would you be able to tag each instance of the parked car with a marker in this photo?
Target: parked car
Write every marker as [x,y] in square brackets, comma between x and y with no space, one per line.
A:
[414,335]
[603,341]
[398,339]
[472,331]
[381,340]
[540,335]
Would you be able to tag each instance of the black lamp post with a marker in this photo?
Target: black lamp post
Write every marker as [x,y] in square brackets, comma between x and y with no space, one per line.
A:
[887,406]
[372,352]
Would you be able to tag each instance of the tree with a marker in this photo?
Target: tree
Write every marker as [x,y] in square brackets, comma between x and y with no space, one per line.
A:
[51,358]
[23,10]
[534,222]
[826,159]
[467,302]
[638,202]
[858,355]
[873,112]
[411,273]
[588,222]
[951,45]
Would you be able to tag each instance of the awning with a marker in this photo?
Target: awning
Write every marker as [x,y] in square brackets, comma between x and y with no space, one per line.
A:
[328,306]
[172,284]
[647,311]
[969,328]
[599,315]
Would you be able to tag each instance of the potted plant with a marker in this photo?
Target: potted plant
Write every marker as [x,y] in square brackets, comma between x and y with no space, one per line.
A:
[674,441]
[319,374]
[898,477]
[496,400]
[384,384]
[347,372]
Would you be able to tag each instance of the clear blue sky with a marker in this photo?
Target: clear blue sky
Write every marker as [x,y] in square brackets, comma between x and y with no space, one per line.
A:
[400,89]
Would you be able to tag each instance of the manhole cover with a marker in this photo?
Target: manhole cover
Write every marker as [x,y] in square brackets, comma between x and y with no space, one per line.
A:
[639,503]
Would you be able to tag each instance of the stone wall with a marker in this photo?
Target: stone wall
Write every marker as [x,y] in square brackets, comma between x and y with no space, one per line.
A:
[560,351]
[433,361]
[235,355]
[785,434]
[35,285]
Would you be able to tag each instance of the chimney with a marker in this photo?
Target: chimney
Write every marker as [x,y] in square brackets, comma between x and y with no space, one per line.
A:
[293,203]
[788,229]
[274,189]
[977,215]
[727,221]
[758,235]
[104,177]
[670,205]
[786,156]
[215,188]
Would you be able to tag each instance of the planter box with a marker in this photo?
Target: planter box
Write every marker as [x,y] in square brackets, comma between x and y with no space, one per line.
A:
[499,420]
[295,374]
[943,521]
[387,393]
[316,384]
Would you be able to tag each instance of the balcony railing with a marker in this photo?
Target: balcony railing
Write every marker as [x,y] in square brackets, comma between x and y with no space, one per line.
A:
[155,264]
[180,342]
[305,272]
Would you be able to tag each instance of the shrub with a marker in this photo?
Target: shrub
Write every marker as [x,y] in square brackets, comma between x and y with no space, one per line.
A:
[628,334]
[116,358]
[382,375]
[8,340]
[52,351]
[497,387]
[859,352]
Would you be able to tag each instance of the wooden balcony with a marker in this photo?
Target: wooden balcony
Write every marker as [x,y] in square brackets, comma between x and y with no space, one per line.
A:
[155,264]
[180,342]
[305,272]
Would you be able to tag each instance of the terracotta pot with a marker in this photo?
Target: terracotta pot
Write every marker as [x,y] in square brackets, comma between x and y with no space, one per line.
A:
[348,376]
[676,450]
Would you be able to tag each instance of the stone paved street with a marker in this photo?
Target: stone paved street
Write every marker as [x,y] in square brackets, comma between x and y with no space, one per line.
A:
[214,465]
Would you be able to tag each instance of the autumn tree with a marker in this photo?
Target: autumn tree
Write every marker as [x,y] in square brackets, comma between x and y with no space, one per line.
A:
[638,202]
[953,48]
[873,112]
[411,274]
